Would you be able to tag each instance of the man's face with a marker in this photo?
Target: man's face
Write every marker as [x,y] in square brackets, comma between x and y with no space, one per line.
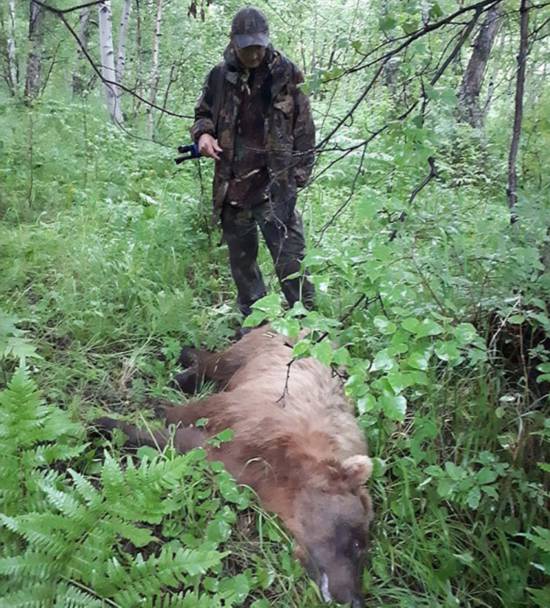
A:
[251,56]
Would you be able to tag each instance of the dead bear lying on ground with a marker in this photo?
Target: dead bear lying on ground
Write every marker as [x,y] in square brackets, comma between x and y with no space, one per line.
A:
[296,443]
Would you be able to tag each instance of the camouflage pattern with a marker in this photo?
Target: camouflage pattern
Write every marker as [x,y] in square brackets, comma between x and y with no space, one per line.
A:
[289,129]
[286,244]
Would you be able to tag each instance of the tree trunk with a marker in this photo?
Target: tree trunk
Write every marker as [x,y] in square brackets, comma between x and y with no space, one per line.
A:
[138,86]
[83,28]
[121,52]
[34,60]
[122,35]
[469,109]
[518,113]
[108,72]
[155,68]
[11,54]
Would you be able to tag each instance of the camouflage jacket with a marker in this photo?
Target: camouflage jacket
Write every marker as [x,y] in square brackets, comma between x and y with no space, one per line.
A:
[289,129]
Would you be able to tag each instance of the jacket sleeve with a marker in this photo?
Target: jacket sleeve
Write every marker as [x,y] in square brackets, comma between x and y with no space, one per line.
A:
[304,136]
[204,108]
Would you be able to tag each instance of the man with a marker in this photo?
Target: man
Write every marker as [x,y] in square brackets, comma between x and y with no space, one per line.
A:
[256,123]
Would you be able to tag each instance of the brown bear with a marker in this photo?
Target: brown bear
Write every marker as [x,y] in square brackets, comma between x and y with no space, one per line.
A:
[296,443]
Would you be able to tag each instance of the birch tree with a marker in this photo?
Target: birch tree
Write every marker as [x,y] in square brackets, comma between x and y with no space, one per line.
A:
[122,36]
[108,71]
[121,51]
[154,80]
[34,60]
[11,53]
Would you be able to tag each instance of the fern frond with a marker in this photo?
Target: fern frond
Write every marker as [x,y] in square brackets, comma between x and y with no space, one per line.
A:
[33,595]
[70,596]
[85,489]
[29,564]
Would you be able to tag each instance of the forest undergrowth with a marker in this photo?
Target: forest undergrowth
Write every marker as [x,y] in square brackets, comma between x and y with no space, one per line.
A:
[109,266]
[434,302]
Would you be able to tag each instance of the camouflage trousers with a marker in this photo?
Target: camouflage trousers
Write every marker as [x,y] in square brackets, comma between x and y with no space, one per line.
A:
[286,243]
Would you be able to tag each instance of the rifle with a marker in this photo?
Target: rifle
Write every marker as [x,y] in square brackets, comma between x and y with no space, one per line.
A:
[187,153]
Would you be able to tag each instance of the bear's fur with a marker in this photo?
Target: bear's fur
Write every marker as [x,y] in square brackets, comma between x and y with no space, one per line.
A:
[296,443]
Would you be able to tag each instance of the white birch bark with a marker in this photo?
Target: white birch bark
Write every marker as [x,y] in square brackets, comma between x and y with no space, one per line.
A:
[154,68]
[122,36]
[108,71]
[13,72]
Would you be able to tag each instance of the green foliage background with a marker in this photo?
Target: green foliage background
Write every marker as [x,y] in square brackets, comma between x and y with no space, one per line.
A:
[108,264]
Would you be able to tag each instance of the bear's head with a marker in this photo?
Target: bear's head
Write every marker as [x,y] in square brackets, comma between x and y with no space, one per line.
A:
[332,513]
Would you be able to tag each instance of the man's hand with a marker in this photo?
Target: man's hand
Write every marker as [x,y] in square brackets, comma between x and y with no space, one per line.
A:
[208,146]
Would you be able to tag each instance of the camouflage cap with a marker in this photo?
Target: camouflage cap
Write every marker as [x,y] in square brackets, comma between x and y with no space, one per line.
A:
[249,27]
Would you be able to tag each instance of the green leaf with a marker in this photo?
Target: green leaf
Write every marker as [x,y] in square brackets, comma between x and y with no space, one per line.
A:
[448,351]
[302,348]
[234,590]
[146,451]
[255,318]
[444,487]
[540,537]
[366,404]
[270,304]
[473,498]
[218,531]
[366,208]
[322,351]
[448,96]
[410,324]
[225,435]
[486,475]
[386,23]
[419,359]
[19,348]
[428,327]
[341,356]
[286,327]
[385,326]
[435,11]
[410,25]
[454,472]
[393,406]
[383,362]
[465,333]
[516,319]
[140,537]
[541,597]
[399,381]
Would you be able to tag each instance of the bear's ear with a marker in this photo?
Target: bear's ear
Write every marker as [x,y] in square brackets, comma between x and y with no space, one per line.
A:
[358,469]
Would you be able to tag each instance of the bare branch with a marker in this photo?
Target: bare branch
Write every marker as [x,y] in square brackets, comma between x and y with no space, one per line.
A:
[60,14]
[350,311]
[346,202]
[403,215]
[61,11]
[409,39]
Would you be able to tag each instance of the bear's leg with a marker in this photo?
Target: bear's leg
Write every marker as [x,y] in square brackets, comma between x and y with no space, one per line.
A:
[205,366]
